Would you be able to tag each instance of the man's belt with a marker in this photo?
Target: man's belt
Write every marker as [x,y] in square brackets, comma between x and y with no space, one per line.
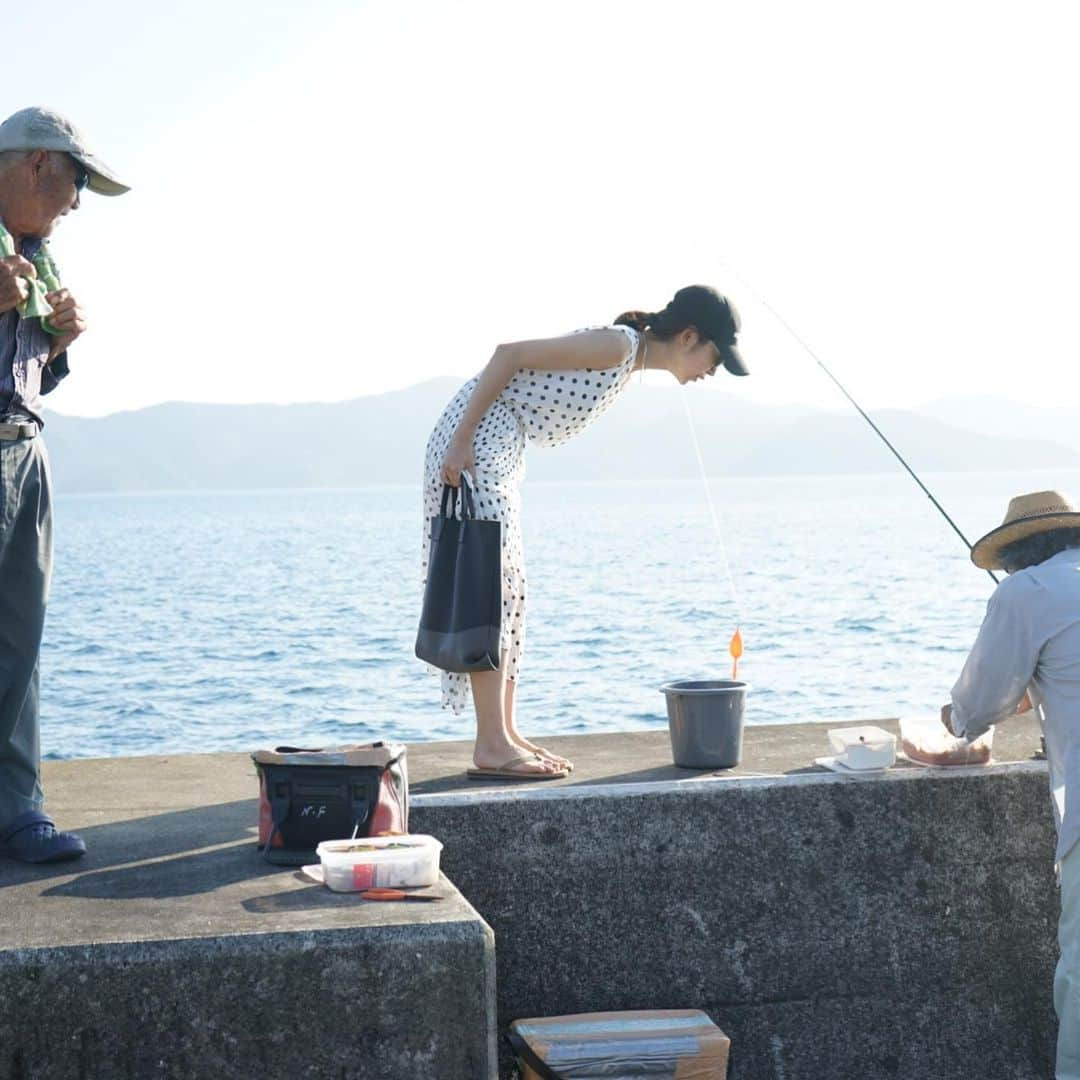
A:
[14,432]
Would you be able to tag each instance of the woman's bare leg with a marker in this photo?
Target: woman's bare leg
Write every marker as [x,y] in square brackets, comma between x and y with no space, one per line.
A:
[495,745]
[518,738]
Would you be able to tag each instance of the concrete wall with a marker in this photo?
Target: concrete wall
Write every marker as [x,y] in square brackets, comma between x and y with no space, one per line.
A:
[372,1003]
[895,926]
[173,949]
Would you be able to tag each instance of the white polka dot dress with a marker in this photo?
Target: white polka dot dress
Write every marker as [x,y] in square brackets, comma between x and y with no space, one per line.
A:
[545,407]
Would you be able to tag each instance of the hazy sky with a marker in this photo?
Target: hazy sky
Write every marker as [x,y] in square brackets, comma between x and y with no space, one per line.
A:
[339,198]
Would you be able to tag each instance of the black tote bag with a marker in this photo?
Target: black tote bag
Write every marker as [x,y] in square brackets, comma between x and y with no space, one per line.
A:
[462,614]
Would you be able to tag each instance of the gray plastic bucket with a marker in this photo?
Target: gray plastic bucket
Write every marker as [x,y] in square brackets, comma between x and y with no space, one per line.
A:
[705,718]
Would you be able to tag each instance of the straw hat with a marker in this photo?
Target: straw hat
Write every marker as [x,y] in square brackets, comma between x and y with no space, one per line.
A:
[1027,515]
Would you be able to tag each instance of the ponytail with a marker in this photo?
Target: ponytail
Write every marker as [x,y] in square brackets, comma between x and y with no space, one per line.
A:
[663,325]
[687,309]
[636,320]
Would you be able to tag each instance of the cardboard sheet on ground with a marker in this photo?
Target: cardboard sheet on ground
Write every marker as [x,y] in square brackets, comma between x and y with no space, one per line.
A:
[674,1043]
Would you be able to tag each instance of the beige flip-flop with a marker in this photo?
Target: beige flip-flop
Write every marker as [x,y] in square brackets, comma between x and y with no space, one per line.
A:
[506,771]
[556,759]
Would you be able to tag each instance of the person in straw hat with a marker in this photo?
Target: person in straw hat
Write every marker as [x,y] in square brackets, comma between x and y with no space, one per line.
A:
[1027,654]
[44,167]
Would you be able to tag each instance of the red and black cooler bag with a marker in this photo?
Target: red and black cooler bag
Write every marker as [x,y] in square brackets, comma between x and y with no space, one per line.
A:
[307,796]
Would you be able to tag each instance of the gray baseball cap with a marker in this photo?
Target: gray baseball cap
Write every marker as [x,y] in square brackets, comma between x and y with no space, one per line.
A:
[38,128]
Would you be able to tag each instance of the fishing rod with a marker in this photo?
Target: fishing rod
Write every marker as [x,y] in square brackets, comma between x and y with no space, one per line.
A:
[881,435]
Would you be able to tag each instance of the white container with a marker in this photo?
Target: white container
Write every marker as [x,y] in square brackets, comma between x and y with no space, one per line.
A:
[380,862]
[863,747]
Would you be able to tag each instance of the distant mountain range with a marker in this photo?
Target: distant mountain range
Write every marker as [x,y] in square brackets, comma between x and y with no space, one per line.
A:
[381,439]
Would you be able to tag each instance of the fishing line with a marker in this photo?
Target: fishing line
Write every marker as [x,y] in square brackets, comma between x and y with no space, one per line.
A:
[896,453]
[735,648]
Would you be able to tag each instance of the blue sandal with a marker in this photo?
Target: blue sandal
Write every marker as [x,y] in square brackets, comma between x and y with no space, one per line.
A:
[33,838]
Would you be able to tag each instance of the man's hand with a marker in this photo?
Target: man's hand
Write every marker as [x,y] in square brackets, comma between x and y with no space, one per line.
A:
[68,317]
[946,718]
[14,270]
[946,712]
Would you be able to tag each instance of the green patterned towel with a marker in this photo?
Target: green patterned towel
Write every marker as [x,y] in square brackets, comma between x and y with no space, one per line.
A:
[35,306]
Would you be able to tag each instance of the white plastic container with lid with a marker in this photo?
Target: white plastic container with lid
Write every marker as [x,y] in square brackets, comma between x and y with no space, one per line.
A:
[863,747]
[380,862]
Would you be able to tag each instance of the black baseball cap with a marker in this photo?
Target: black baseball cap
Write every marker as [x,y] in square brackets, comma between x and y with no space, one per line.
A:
[715,317]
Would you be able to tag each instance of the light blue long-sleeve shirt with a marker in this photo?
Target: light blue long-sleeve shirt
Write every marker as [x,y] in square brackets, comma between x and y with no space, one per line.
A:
[1030,639]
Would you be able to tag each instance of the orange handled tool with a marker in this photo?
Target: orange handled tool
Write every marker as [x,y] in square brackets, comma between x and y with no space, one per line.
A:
[395,894]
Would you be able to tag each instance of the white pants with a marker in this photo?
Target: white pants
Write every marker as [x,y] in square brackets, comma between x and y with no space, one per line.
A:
[1067,976]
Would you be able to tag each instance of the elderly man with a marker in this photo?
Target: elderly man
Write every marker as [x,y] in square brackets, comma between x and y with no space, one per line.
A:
[1027,654]
[44,167]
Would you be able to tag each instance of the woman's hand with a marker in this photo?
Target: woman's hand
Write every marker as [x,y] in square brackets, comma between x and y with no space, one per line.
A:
[459,458]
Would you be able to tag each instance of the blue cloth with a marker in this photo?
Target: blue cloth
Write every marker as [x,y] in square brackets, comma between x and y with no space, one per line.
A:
[25,374]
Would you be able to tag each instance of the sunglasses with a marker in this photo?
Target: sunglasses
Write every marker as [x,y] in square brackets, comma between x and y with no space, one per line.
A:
[82,177]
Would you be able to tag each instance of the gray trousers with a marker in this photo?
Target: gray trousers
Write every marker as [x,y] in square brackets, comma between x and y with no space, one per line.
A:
[26,545]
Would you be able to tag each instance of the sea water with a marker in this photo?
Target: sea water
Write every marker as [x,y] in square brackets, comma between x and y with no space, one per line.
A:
[233,620]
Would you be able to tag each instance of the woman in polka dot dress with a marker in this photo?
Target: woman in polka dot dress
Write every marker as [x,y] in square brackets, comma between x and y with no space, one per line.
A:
[546,392]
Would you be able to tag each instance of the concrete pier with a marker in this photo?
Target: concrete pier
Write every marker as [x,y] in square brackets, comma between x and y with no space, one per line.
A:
[889,925]
[173,950]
